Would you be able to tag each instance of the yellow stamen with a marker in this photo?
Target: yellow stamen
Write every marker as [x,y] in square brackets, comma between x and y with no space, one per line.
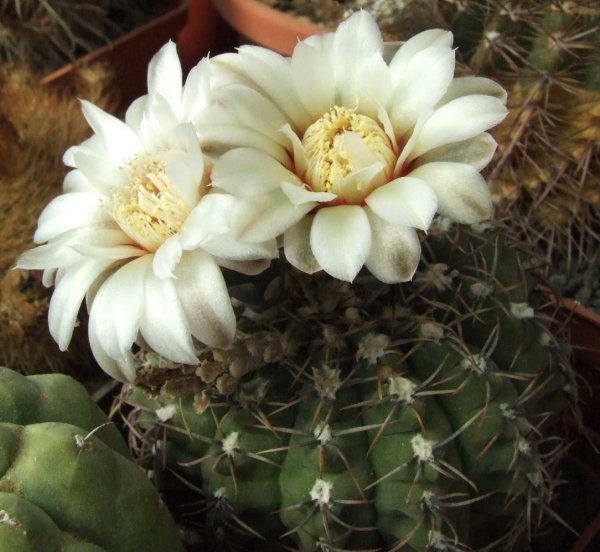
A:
[151,209]
[329,156]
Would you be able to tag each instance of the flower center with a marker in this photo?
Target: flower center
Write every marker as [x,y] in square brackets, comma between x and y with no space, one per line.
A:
[150,210]
[341,143]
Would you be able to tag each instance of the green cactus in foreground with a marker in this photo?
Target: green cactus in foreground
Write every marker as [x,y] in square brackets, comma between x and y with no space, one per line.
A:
[63,489]
[32,399]
[421,416]
[71,487]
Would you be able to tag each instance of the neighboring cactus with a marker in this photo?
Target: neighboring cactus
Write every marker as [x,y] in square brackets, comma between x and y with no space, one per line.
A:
[54,398]
[421,416]
[37,124]
[63,489]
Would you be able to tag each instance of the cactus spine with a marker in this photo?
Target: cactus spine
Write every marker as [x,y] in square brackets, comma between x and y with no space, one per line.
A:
[370,417]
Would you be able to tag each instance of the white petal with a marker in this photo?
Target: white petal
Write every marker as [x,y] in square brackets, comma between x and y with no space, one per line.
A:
[462,192]
[211,217]
[262,218]
[75,181]
[68,295]
[249,268]
[298,194]
[374,86]
[357,39]
[253,110]
[120,142]
[246,172]
[196,92]
[69,211]
[466,86]
[166,257]
[340,239]
[296,244]
[117,308]
[417,43]
[313,78]
[228,247]
[300,159]
[121,369]
[395,251]
[405,201]
[477,152]
[100,173]
[163,324]
[135,114]
[165,78]
[458,120]
[426,79]
[205,300]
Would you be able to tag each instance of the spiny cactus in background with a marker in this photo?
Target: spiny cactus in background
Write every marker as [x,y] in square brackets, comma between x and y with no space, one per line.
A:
[546,180]
[421,416]
[37,124]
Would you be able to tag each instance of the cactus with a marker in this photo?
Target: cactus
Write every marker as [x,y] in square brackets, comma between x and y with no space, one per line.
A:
[33,399]
[37,124]
[420,416]
[61,488]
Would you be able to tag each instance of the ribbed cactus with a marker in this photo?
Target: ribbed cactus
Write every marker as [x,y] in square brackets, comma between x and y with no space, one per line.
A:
[64,487]
[421,416]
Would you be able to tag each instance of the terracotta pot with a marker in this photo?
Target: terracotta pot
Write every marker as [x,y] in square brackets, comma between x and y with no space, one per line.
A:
[257,23]
[195,26]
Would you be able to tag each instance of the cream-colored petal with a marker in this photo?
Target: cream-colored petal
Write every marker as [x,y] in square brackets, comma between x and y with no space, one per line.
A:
[211,217]
[459,120]
[119,141]
[467,86]
[314,79]
[165,77]
[407,201]
[68,295]
[166,257]
[298,194]
[477,152]
[245,172]
[296,245]
[204,298]
[426,78]
[262,218]
[340,239]
[164,324]
[463,195]
[395,250]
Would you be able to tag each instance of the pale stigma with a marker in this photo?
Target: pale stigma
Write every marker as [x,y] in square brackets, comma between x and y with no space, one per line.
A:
[341,143]
[150,210]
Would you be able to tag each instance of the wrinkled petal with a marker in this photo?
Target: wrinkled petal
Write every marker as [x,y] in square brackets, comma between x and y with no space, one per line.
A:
[340,239]
[205,300]
[395,251]
[405,201]
[463,195]
[296,244]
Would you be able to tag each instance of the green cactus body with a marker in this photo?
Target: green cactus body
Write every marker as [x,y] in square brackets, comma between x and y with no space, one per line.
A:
[68,487]
[54,398]
[374,417]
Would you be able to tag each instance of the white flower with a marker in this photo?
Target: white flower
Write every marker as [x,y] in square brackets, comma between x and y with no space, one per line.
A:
[122,234]
[347,155]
